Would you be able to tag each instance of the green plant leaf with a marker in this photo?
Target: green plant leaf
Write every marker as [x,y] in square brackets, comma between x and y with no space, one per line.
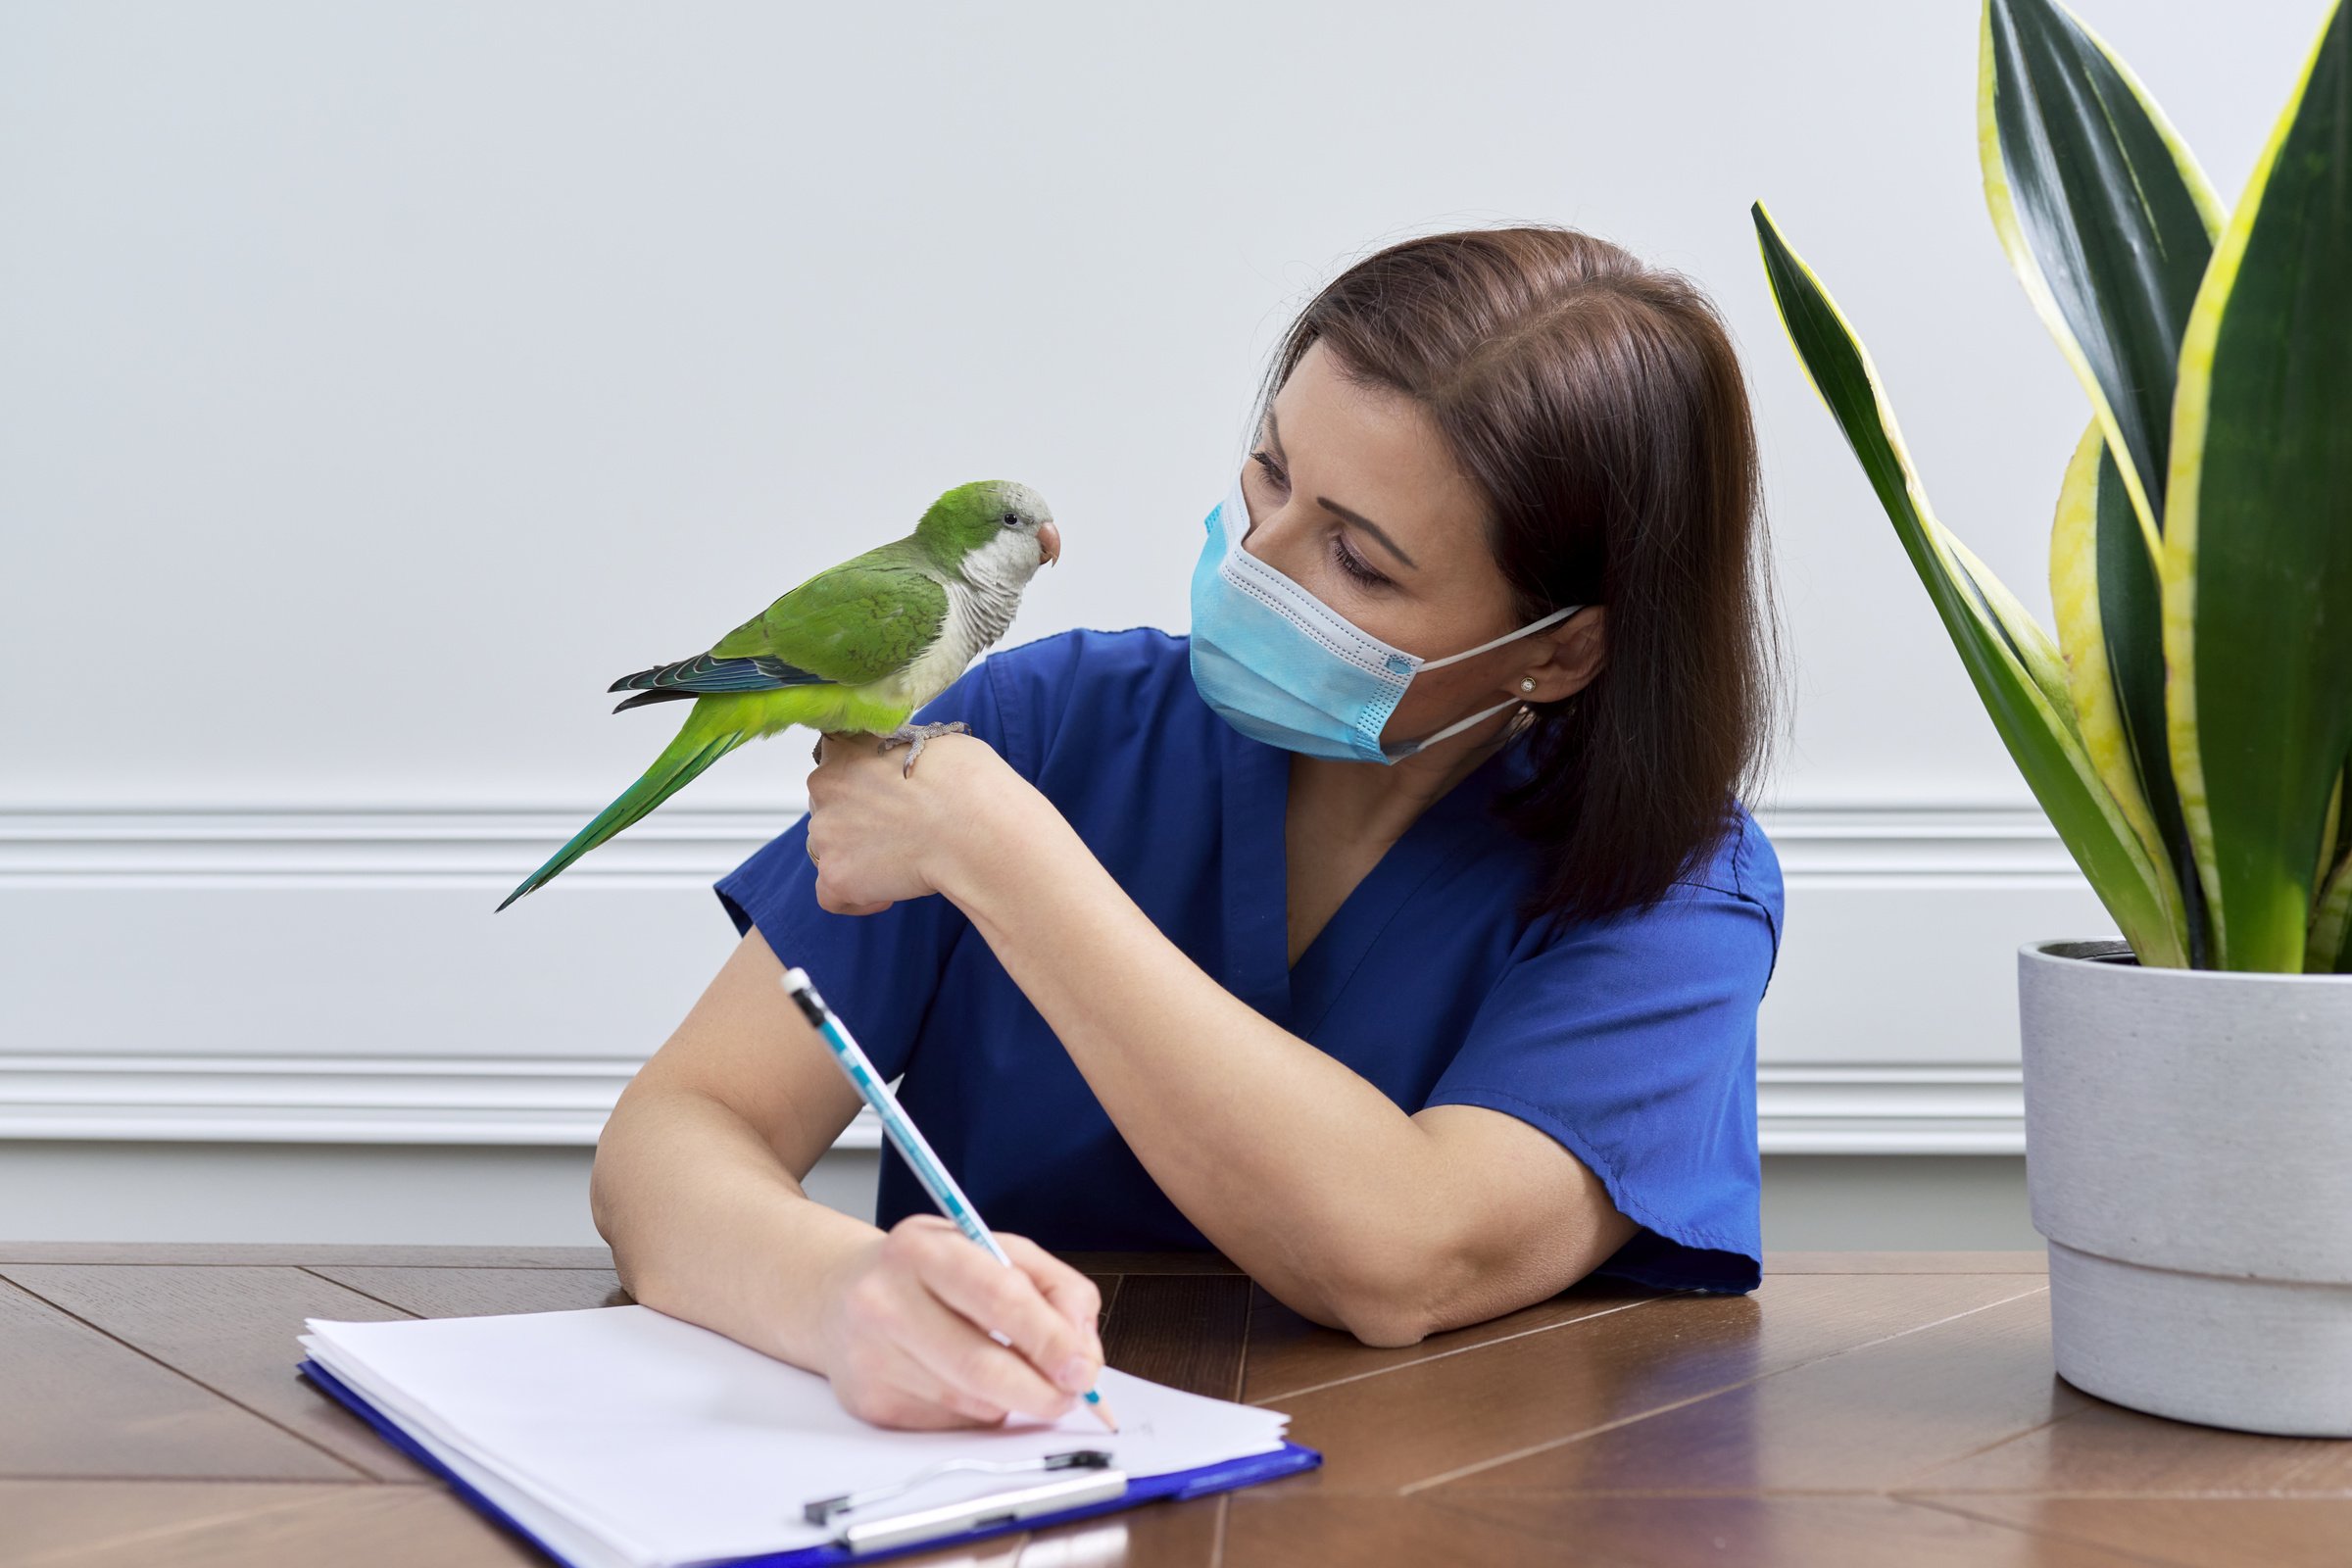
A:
[2331,908]
[2329,826]
[2338,837]
[2020,632]
[2256,565]
[2328,952]
[2007,655]
[2105,218]
[2104,590]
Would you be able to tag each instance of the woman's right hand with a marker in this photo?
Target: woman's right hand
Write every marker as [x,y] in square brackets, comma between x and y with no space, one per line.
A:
[904,1326]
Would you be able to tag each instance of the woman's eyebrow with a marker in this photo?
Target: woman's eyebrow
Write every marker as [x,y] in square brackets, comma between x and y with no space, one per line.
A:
[1370,527]
[1274,440]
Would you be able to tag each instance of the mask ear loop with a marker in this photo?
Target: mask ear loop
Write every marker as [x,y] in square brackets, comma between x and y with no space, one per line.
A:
[1561,613]
[1459,726]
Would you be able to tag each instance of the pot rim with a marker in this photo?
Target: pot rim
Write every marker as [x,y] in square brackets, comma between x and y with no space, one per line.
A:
[2115,953]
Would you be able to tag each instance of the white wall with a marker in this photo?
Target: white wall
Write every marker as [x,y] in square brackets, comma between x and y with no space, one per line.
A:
[378,382]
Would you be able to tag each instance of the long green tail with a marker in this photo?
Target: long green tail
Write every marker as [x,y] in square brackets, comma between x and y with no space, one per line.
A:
[710,733]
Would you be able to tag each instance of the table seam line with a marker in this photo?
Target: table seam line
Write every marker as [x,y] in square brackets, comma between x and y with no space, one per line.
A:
[1459,1505]
[1906,1272]
[345,1285]
[1456,1474]
[1241,1365]
[85,1478]
[1465,1349]
[2045,1535]
[1960,1458]
[279,1262]
[1111,1305]
[2273,1494]
[1241,1382]
[181,1372]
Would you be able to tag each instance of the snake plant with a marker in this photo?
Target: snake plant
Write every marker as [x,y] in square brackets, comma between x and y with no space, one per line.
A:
[2187,730]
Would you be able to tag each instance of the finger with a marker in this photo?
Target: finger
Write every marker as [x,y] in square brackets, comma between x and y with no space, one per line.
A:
[1007,1299]
[951,1402]
[829,897]
[961,1354]
[1071,1293]
[927,1400]
[976,1367]
[832,903]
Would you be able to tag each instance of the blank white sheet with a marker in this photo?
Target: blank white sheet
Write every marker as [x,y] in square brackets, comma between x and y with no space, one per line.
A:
[628,1436]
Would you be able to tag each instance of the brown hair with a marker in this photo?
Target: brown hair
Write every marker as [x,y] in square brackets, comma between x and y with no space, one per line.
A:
[1599,407]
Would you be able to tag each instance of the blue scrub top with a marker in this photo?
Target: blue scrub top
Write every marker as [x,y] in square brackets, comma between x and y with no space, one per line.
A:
[1631,1040]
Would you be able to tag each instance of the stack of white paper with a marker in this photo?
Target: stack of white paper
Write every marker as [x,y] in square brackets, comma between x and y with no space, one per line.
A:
[621,1435]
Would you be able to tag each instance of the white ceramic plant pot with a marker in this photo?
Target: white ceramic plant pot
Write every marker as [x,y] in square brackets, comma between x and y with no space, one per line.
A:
[2188,1155]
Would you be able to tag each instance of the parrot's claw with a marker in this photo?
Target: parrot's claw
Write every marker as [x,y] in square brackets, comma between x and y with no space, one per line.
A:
[912,736]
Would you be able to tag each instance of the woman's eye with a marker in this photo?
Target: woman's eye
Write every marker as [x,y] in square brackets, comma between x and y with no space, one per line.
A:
[1345,558]
[1350,563]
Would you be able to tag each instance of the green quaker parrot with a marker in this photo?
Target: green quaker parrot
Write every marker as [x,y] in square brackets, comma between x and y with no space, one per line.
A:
[856,648]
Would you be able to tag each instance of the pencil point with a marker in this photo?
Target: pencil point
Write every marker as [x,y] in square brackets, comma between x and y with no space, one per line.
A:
[1103,1408]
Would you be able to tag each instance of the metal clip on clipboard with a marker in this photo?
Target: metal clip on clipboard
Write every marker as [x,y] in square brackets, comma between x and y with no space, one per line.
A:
[970,1513]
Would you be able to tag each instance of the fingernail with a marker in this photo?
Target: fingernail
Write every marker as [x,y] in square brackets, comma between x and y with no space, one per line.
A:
[1076,1374]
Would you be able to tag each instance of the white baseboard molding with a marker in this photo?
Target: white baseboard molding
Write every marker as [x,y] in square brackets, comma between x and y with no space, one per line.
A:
[322,1100]
[389,846]
[494,846]
[1816,1110]
[1890,1026]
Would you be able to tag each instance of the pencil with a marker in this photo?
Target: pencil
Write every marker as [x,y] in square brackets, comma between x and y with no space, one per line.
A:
[906,1138]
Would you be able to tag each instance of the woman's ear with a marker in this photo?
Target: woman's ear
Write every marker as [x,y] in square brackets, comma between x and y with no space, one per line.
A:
[1573,653]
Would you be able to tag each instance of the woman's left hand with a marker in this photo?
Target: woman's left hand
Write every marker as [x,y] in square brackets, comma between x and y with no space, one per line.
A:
[878,834]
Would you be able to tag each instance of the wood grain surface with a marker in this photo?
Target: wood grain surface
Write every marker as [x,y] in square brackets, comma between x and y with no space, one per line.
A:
[1858,1408]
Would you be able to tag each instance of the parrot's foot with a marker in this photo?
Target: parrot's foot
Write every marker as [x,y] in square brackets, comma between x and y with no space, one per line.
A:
[913,736]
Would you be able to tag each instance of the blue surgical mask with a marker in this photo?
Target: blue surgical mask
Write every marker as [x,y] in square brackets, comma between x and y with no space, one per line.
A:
[1282,666]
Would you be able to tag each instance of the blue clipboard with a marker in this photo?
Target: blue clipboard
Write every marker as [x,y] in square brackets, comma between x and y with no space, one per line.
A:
[1288,1460]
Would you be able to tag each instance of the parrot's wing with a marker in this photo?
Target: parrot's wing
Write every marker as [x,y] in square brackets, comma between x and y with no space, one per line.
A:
[689,677]
[855,623]
[844,627]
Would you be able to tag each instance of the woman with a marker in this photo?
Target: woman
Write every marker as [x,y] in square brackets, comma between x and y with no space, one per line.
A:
[1421,991]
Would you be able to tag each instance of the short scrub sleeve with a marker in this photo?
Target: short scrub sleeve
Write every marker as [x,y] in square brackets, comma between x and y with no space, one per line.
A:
[880,970]
[1632,1041]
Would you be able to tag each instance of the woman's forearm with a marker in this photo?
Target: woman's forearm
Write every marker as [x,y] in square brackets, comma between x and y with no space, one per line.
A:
[708,1225]
[1302,1171]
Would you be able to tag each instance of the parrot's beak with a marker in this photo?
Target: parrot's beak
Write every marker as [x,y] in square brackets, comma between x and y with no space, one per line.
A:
[1048,544]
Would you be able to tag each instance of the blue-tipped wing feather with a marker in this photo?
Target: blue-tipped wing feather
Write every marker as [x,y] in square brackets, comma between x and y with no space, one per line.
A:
[705,672]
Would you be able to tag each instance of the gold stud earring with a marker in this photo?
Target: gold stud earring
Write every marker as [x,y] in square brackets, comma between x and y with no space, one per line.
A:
[1527,683]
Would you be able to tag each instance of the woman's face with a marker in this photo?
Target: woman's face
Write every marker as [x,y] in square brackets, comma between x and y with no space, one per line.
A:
[1354,496]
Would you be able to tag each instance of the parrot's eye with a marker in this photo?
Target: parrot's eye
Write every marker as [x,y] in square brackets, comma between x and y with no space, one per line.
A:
[1013,519]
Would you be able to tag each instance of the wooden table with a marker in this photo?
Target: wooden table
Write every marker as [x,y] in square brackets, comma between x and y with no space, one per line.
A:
[1860,1407]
